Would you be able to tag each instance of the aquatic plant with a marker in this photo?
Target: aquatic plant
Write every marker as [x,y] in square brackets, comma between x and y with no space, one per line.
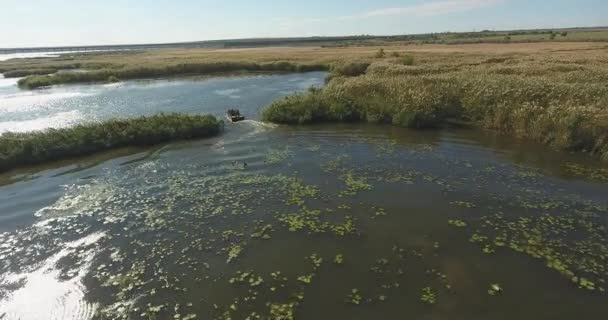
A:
[596,174]
[354,297]
[463,204]
[354,184]
[316,260]
[263,232]
[339,259]
[457,223]
[234,251]
[428,295]
[307,279]
[495,289]
[275,156]
[20,149]
[311,221]
[282,311]
[550,238]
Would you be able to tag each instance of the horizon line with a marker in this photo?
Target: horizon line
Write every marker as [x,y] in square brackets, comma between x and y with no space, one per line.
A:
[285,38]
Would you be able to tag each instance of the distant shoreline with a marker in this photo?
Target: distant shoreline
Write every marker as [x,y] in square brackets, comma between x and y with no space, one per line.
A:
[287,41]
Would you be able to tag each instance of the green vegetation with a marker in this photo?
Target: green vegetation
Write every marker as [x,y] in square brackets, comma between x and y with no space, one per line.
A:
[428,295]
[557,99]
[18,149]
[349,69]
[573,244]
[163,70]
[495,289]
[28,72]
[354,297]
[457,223]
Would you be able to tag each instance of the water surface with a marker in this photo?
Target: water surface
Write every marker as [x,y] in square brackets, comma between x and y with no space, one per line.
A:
[318,222]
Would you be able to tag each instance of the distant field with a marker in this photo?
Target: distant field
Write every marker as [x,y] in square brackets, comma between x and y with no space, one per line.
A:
[309,54]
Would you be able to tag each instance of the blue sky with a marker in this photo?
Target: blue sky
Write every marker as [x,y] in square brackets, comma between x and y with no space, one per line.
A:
[77,22]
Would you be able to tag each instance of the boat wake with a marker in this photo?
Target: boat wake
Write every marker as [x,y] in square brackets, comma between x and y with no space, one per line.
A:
[259,125]
[258,128]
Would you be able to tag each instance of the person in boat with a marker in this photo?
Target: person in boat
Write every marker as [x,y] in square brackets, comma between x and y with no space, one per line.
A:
[234,112]
[234,115]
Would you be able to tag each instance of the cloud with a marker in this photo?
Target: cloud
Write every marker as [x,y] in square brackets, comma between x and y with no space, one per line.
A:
[308,26]
[427,9]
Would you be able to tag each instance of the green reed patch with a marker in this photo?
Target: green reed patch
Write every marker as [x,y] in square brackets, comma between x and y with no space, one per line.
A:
[28,72]
[164,70]
[19,149]
[539,103]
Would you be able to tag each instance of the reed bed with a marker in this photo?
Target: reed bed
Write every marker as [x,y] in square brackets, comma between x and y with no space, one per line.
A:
[19,149]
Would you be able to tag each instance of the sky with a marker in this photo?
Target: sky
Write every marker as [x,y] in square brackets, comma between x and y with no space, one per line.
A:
[35,23]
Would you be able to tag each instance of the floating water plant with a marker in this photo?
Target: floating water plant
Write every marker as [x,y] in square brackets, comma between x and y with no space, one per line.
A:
[316,260]
[596,174]
[263,232]
[339,259]
[234,251]
[495,289]
[354,184]
[463,204]
[487,249]
[457,223]
[282,311]
[275,156]
[428,295]
[354,297]
[581,258]
[307,279]
[310,220]
[297,191]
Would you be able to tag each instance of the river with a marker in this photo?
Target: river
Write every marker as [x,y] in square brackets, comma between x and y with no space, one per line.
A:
[350,221]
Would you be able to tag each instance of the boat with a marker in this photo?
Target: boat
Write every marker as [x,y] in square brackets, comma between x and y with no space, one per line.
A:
[234,115]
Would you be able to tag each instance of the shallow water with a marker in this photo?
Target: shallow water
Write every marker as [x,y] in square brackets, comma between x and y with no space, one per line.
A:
[255,222]
[49,54]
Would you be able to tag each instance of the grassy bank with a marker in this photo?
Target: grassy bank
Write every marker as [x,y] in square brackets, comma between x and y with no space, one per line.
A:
[163,70]
[19,149]
[28,72]
[561,102]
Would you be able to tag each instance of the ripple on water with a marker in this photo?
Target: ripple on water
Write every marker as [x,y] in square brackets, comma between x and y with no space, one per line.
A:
[24,101]
[42,295]
[57,120]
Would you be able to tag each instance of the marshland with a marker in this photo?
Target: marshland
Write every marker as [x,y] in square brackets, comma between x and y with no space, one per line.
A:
[407,180]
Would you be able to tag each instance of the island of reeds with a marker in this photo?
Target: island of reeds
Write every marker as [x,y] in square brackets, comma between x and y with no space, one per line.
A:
[557,99]
[20,149]
[37,78]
